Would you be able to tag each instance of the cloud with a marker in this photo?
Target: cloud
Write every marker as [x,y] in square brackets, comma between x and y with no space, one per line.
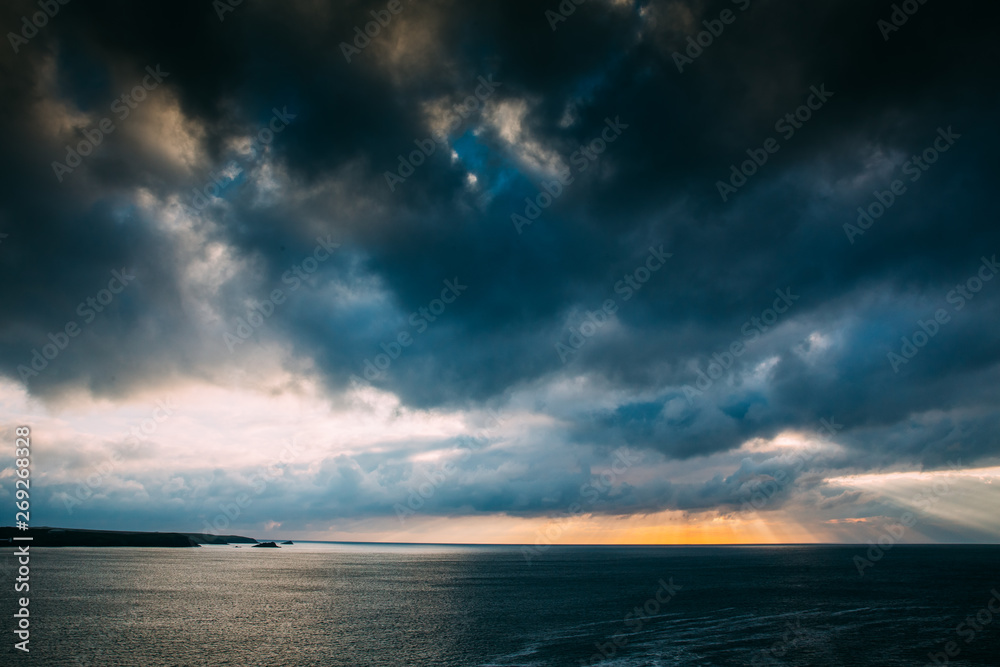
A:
[205,262]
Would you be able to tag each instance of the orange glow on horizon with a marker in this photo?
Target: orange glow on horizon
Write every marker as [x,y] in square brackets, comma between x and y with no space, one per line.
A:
[664,528]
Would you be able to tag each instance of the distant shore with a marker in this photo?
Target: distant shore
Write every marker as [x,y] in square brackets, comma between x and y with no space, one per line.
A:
[74,537]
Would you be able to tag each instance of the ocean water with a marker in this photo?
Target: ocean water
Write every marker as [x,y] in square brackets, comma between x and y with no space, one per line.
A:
[395,605]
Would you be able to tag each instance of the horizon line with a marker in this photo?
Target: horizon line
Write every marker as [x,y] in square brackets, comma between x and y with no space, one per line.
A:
[513,544]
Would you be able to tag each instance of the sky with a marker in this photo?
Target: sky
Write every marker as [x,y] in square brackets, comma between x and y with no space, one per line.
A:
[674,271]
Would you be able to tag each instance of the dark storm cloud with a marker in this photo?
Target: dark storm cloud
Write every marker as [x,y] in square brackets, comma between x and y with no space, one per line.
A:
[655,185]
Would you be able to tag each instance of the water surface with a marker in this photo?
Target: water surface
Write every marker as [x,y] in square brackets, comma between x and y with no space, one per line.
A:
[395,605]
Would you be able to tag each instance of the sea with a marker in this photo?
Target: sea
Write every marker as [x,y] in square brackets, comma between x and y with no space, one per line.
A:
[361,605]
